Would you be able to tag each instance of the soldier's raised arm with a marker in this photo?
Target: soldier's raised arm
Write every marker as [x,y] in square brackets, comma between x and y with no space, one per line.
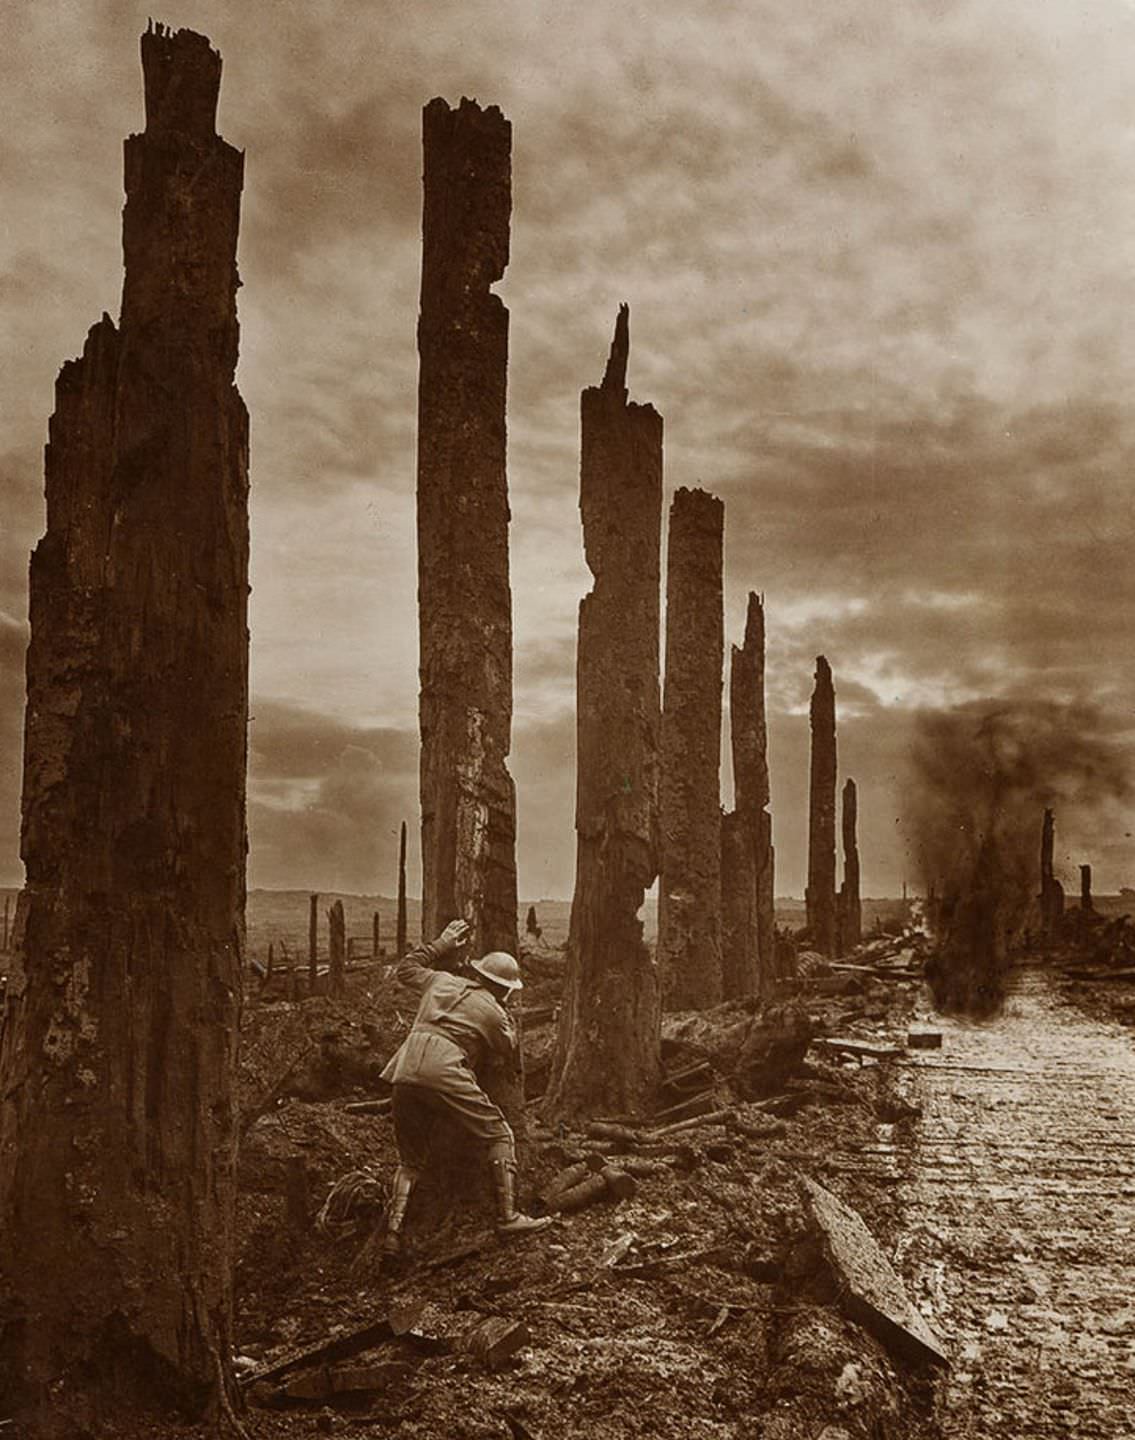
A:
[419,966]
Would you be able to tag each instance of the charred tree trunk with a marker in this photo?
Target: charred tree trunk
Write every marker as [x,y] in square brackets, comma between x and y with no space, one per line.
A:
[312,943]
[336,950]
[465,603]
[1086,888]
[400,931]
[1051,890]
[820,894]
[689,801]
[117,1133]
[607,1057]
[748,929]
[375,935]
[850,907]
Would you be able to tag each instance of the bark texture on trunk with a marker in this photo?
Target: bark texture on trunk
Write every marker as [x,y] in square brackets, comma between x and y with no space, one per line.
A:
[820,894]
[689,803]
[850,908]
[465,603]
[747,860]
[117,1133]
[607,1057]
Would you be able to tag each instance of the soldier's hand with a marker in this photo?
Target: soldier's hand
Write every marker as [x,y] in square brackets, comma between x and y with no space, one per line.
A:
[453,937]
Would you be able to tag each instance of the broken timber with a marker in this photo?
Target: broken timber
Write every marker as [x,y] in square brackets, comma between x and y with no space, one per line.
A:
[872,1293]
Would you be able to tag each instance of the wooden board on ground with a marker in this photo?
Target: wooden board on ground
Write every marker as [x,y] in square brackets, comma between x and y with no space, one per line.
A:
[864,1049]
[872,1293]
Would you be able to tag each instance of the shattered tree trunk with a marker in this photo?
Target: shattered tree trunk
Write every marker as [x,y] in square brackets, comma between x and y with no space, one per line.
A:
[748,946]
[336,949]
[375,934]
[400,931]
[1086,888]
[689,796]
[312,943]
[117,1134]
[608,1048]
[1051,890]
[820,894]
[850,916]
[465,604]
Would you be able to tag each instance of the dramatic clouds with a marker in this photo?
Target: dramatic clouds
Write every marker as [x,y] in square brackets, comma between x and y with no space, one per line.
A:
[880,274]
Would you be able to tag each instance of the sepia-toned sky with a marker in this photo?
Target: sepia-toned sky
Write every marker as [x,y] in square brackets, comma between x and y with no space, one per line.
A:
[881,270]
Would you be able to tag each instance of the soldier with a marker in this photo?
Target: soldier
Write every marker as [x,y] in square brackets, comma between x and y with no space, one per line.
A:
[461,1021]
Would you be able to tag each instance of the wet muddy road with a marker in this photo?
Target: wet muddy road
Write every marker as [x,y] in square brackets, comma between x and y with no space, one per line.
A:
[1019,1202]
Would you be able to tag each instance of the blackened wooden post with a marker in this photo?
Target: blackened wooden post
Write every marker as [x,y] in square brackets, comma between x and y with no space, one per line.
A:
[312,944]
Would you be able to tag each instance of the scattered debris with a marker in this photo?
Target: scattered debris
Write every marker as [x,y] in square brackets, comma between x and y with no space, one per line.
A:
[495,1340]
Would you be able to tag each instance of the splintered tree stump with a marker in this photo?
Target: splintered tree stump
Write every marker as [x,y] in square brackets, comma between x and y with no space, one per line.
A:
[688,951]
[465,604]
[820,893]
[118,1135]
[607,1056]
[849,912]
[337,950]
[747,861]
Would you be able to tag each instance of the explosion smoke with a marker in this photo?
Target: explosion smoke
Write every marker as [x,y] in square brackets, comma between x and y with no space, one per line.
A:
[981,776]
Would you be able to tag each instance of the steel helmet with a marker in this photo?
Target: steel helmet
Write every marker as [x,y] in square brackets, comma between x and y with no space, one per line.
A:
[499,967]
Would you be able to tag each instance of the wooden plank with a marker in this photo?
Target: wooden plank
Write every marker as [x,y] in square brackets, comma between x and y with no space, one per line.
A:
[870,1290]
[864,1049]
[354,1342]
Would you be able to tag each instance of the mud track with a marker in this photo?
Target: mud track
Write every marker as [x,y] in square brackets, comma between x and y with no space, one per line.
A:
[1018,1200]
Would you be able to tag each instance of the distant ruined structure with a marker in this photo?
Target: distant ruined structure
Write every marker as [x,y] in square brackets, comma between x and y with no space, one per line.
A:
[689,806]
[465,603]
[849,912]
[607,1057]
[819,896]
[117,1123]
[1051,890]
[747,861]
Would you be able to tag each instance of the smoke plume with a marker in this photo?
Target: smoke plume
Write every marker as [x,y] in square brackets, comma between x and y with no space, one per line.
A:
[981,777]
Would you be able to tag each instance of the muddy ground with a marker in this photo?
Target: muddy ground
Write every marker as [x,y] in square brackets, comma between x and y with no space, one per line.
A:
[700,1307]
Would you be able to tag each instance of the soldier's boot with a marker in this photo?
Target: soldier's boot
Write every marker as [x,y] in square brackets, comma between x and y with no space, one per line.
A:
[403,1184]
[502,1164]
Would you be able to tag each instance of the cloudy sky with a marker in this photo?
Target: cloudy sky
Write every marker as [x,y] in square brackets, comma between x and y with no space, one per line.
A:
[879,259]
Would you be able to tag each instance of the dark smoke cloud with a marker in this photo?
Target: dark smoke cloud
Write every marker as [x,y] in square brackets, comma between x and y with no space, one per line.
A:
[981,777]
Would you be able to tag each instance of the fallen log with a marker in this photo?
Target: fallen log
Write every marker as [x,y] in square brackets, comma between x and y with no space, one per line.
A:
[566,1179]
[398,1321]
[610,1182]
[863,1049]
[368,1107]
[686,1109]
[714,1117]
[606,1130]
[319,1385]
